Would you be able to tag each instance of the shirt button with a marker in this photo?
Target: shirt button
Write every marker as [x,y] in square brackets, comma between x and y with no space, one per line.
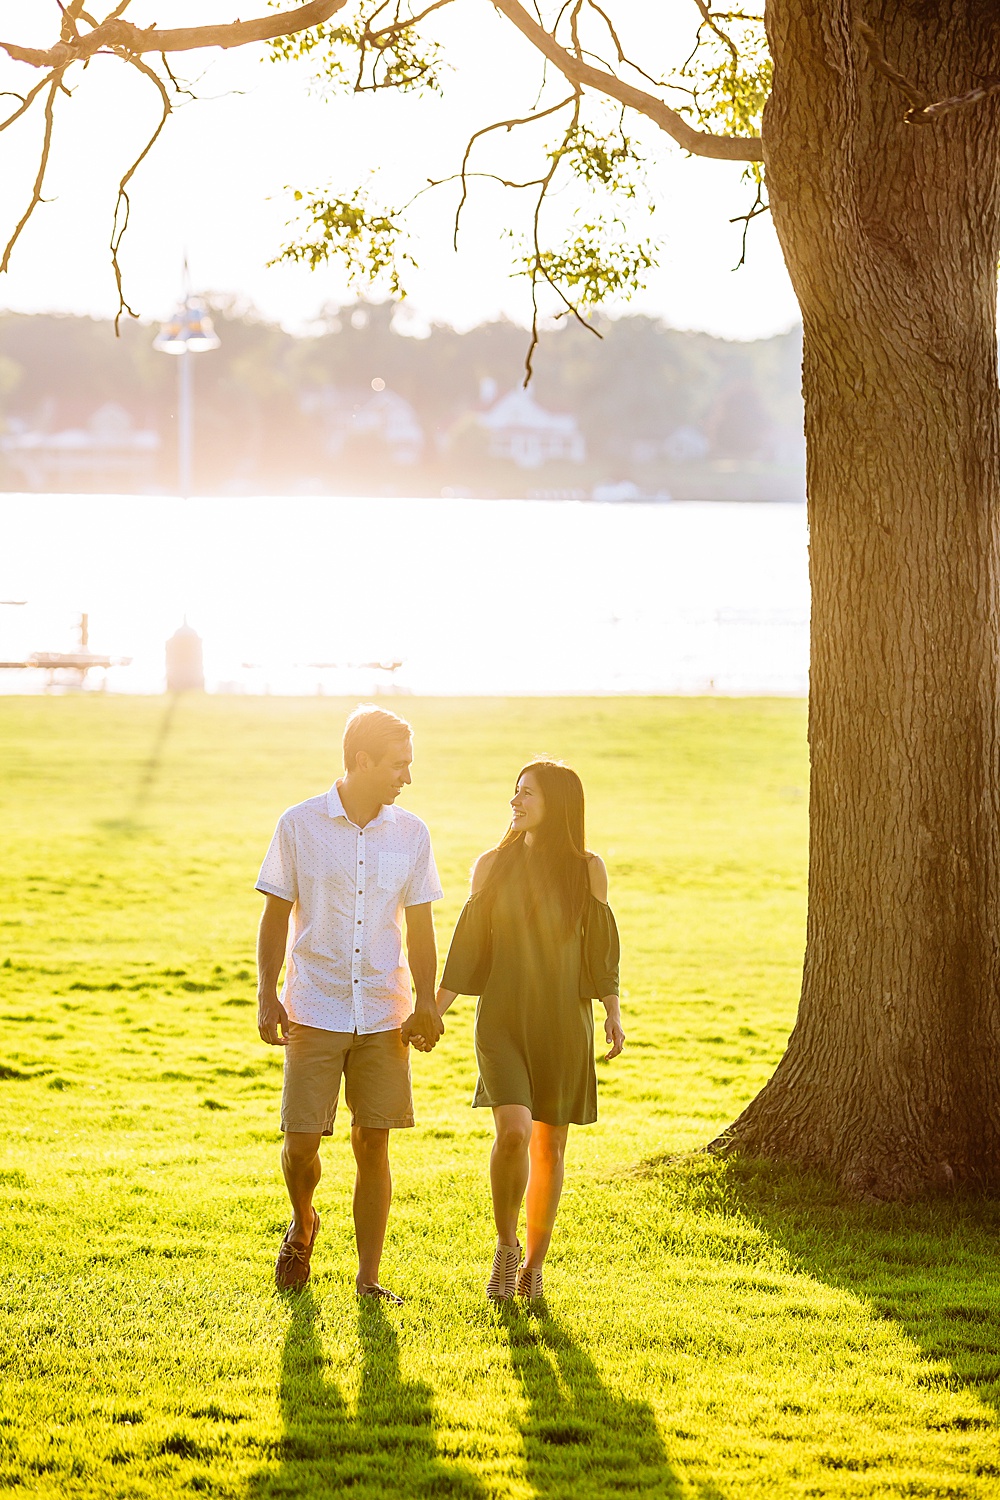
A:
[357,950]
[359,921]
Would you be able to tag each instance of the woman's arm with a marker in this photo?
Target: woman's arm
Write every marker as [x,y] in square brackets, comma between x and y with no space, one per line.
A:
[445,999]
[598,873]
[614,1035]
[480,872]
[612,1004]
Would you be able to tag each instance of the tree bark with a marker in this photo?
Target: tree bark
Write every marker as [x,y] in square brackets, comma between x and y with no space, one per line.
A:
[890,232]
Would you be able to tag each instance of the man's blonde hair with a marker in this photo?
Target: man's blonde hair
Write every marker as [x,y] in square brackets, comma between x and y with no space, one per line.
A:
[373,730]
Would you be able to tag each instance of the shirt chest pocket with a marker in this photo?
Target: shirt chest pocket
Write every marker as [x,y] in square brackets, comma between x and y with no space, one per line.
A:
[393,871]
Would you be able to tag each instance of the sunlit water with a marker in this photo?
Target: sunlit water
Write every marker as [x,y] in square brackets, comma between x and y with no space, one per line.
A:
[470,596]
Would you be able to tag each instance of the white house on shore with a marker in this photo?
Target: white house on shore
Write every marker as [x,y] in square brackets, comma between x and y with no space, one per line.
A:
[108,451]
[520,430]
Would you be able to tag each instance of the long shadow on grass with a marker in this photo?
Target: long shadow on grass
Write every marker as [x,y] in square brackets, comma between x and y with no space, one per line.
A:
[930,1267]
[384,1449]
[580,1439]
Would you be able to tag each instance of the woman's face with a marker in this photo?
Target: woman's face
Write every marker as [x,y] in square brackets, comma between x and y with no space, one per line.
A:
[527,804]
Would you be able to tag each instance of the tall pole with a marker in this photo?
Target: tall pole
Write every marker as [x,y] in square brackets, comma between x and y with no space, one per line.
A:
[185,424]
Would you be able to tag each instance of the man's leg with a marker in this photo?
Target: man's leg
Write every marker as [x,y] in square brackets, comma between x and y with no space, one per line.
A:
[314,1064]
[301,1167]
[377,1087]
[372,1197]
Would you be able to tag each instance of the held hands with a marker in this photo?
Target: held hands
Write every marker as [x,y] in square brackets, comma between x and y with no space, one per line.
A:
[272,1018]
[423,1029]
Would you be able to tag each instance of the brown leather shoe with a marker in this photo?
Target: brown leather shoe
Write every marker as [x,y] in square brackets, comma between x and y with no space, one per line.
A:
[291,1271]
[382,1293]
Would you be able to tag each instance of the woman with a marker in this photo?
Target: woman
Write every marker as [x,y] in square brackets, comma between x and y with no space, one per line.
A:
[537,943]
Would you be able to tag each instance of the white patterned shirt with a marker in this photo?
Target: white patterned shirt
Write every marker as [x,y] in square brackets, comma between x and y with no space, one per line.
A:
[349,885]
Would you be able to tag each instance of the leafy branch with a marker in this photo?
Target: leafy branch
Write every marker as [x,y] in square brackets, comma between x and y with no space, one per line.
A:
[373,54]
[365,241]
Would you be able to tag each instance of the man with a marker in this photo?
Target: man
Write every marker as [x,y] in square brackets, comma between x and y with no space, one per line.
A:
[343,867]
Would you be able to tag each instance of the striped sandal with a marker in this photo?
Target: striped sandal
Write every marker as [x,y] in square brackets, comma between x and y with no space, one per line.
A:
[529,1283]
[503,1279]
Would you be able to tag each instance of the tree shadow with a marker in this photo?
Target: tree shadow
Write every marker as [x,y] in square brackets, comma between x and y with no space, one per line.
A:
[130,823]
[579,1437]
[385,1450]
[929,1267]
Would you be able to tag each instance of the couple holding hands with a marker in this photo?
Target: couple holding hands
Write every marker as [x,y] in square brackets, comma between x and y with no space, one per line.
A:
[536,942]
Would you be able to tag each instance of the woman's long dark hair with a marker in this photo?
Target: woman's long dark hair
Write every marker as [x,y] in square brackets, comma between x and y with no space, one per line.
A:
[557,858]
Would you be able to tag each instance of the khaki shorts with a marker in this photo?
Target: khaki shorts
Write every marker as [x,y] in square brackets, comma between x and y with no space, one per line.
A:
[376,1073]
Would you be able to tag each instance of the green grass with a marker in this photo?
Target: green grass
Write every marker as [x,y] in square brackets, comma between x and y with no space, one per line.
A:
[715,1331]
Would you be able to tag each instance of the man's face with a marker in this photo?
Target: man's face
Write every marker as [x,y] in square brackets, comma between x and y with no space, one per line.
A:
[388,776]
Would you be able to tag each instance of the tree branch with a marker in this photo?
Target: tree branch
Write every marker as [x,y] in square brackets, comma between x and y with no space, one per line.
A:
[625,61]
[583,74]
[123,36]
[26,102]
[932,112]
[757,208]
[405,23]
[119,223]
[881,64]
[537,268]
[922,111]
[708,19]
[507,125]
[36,196]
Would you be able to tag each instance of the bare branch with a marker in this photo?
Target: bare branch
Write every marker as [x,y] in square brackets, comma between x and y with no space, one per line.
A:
[69,15]
[178,87]
[922,111]
[574,28]
[757,208]
[881,64]
[583,74]
[405,23]
[625,61]
[507,182]
[508,125]
[119,222]
[932,112]
[708,19]
[538,267]
[132,41]
[36,196]
[26,102]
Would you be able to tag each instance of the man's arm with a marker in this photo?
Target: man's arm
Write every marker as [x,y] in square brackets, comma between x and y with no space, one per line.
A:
[272,939]
[424,1026]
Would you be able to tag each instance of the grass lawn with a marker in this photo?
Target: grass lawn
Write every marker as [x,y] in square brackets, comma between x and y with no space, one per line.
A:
[714,1331]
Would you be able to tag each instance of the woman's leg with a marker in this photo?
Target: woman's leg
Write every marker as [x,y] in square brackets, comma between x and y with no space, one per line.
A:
[509,1167]
[545,1180]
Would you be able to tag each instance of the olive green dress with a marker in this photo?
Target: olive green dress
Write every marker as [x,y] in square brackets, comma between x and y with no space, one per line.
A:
[534,1031]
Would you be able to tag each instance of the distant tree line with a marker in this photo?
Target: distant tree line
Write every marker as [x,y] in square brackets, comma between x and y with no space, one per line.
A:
[279,413]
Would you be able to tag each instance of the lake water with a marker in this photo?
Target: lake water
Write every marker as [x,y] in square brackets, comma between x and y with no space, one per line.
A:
[294,595]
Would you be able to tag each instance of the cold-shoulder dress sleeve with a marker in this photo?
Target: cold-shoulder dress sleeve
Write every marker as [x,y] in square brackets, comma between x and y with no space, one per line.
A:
[601,952]
[469,961]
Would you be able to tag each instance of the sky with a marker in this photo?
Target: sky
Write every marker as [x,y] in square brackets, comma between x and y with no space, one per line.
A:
[215,186]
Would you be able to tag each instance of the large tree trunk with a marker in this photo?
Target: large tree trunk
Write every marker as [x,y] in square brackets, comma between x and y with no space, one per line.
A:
[890,232]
